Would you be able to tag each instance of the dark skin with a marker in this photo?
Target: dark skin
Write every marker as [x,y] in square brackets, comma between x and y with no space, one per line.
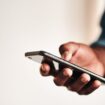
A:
[90,58]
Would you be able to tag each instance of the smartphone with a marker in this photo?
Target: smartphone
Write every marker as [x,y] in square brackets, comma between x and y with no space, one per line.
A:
[39,56]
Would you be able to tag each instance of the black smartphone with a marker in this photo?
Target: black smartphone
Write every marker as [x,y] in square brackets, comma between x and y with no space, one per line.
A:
[39,56]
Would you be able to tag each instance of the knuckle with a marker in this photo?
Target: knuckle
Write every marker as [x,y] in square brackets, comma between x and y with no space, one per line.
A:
[73,89]
[87,93]
[62,48]
[84,93]
[80,93]
[57,83]
[65,47]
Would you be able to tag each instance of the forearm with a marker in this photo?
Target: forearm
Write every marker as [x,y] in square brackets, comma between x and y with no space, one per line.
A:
[100,53]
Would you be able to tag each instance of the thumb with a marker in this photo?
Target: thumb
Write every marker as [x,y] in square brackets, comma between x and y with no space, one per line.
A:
[67,55]
[68,50]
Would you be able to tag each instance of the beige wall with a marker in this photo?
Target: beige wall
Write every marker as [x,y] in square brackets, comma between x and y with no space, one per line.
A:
[95,10]
[27,25]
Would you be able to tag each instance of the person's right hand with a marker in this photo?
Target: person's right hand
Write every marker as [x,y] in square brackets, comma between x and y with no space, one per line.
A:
[83,56]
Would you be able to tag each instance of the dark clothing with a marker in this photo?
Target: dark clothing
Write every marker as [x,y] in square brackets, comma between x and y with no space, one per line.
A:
[101,40]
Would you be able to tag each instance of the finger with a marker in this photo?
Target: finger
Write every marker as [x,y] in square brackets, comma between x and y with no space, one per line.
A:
[63,76]
[67,55]
[70,47]
[95,85]
[71,52]
[45,69]
[48,67]
[80,82]
[74,53]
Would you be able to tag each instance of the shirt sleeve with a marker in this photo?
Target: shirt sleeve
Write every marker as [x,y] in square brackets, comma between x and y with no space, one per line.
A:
[101,40]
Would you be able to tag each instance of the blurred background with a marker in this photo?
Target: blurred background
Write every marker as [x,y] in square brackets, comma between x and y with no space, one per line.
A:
[29,25]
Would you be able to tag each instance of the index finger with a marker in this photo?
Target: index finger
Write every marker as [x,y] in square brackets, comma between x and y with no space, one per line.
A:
[47,68]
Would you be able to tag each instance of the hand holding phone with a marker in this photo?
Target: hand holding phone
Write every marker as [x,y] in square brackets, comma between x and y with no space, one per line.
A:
[85,78]
[45,57]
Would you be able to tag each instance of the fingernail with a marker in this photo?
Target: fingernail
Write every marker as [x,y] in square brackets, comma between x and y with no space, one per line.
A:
[67,55]
[96,84]
[67,72]
[85,78]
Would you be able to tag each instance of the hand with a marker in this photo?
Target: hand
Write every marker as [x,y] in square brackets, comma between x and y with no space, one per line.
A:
[83,56]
